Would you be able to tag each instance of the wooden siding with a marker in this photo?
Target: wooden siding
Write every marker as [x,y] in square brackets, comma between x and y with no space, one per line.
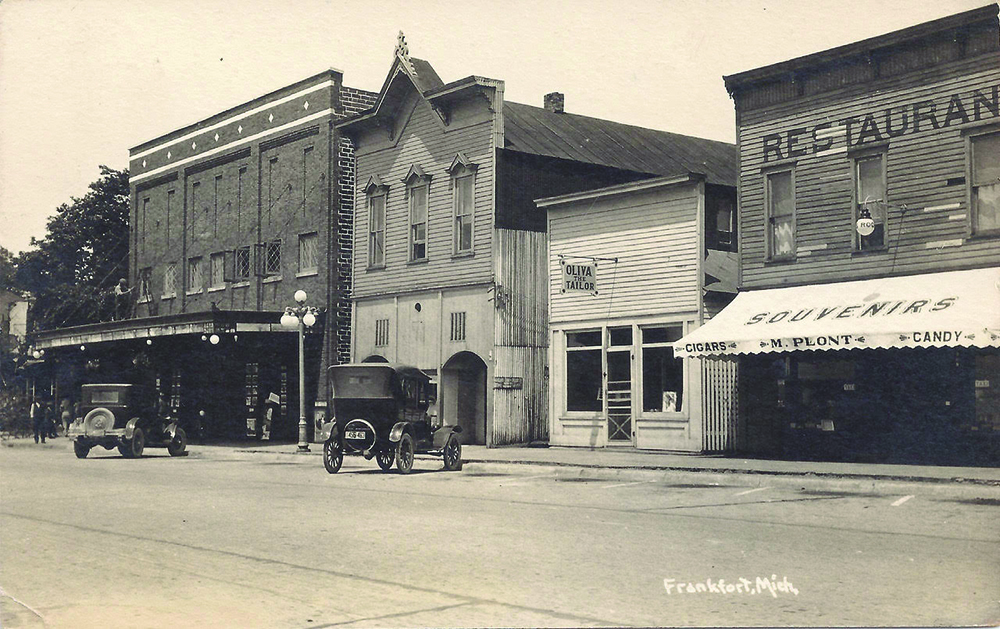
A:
[424,141]
[520,415]
[926,172]
[653,234]
[719,403]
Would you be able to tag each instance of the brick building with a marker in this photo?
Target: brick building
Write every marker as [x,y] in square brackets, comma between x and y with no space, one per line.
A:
[230,216]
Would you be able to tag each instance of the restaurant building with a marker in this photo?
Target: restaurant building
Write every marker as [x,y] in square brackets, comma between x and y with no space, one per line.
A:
[633,268]
[868,322]
[229,217]
[450,267]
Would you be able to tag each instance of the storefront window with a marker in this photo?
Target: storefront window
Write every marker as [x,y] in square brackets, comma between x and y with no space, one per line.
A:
[584,375]
[662,374]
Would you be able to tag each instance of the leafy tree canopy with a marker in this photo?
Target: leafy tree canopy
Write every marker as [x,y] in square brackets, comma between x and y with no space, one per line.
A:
[72,271]
[8,270]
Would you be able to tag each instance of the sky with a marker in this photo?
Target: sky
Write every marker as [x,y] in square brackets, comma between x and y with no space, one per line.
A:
[82,81]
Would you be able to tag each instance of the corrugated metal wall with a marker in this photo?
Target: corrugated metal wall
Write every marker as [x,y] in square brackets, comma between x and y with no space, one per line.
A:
[521,336]
[719,404]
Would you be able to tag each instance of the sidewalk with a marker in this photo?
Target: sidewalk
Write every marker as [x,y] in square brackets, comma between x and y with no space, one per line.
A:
[629,464]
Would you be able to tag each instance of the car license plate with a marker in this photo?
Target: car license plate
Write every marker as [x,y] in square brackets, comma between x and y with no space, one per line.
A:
[355,434]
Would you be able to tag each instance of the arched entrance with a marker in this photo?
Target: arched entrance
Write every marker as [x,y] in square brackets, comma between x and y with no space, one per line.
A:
[463,395]
[375,358]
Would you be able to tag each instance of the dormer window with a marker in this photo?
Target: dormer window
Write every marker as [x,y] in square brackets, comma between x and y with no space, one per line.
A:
[417,192]
[463,176]
[377,192]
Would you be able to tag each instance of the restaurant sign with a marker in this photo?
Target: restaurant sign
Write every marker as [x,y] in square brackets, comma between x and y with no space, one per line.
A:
[579,278]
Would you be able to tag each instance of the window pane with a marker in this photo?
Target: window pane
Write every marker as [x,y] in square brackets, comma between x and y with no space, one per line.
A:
[782,237]
[418,204]
[378,213]
[780,194]
[662,380]
[986,159]
[583,339]
[218,261]
[583,381]
[465,242]
[376,248]
[662,335]
[621,336]
[308,254]
[871,183]
[987,207]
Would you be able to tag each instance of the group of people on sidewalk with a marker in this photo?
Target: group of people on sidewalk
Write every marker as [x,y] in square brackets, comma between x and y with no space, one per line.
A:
[43,420]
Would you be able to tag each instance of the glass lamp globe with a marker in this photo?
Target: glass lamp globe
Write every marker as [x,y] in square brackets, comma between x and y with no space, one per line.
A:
[300,296]
[865,226]
[289,321]
[309,319]
[214,339]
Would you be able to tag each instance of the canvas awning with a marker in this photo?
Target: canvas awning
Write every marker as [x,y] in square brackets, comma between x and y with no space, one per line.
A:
[949,309]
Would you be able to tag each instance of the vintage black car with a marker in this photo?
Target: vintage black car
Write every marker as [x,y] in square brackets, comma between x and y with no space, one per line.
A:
[381,411]
[124,416]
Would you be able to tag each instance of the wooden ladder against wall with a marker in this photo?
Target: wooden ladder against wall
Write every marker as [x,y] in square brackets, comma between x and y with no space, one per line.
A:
[619,410]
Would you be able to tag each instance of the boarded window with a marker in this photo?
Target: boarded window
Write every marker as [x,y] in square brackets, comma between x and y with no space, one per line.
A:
[381,332]
[194,274]
[465,203]
[781,213]
[458,326]
[418,222]
[218,270]
[584,372]
[376,230]
[308,252]
[869,178]
[986,183]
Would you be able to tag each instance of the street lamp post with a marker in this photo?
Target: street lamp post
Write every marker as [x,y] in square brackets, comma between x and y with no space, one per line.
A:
[301,317]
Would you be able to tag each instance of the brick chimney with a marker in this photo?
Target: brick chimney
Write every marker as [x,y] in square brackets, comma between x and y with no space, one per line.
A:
[554,102]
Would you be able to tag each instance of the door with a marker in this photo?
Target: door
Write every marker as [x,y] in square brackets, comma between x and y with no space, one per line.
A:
[619,395]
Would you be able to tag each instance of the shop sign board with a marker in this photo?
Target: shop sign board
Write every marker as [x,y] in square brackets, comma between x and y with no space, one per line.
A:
[579,278]
[508,382]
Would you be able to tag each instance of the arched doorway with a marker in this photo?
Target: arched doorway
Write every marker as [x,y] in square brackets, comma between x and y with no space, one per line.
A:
[463,395]
[375,358]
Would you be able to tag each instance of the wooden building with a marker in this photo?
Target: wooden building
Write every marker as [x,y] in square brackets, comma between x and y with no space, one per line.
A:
[230,216]
[633,268]
[870,249]
[450,270]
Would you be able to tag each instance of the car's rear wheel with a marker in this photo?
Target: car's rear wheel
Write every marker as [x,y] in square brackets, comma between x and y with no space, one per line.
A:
[453,453]
[178,445]
[385,459]
[136,444]
[333,455]
[81,450]
[404,454]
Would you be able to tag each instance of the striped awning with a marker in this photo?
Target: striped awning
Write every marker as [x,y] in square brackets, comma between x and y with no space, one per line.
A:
[948,309]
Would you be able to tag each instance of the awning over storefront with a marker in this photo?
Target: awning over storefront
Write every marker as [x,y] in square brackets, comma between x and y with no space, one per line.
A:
[213,322]
[950,309]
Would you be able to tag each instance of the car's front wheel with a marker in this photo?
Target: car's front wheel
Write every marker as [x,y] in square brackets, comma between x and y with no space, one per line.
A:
[333,455]
[81,449]
[453,453]
[178,445]
[135,446]
[404,454]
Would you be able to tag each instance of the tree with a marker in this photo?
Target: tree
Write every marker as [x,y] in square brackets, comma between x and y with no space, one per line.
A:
[8,269]
[74,268]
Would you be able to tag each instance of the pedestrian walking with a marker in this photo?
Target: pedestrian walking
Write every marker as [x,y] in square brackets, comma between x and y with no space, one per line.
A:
[50,420]
[66,414]
[38,427]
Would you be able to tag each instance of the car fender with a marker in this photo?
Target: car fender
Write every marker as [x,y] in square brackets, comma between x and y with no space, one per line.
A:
[440,436]
[130,427]
[170,430]
[397,431]
[333,429]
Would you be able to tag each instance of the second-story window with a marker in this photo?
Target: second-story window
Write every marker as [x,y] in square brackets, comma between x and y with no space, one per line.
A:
[170,281]
[194,275]
[780,203]
[418,219]
[869,182]
[376,230]
[218,270]
[242,271]
[272,258]
[465,204]
[985,183]
[145,279]
[308,253]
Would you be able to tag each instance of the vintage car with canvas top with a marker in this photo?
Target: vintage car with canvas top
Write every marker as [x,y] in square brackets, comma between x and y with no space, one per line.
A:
[127,417]
[381,411]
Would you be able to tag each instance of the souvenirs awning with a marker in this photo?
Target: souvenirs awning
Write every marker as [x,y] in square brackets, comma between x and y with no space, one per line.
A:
[212,322]
[949,309]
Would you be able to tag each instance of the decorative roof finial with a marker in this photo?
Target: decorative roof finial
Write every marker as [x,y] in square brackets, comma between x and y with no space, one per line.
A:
[403,53]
